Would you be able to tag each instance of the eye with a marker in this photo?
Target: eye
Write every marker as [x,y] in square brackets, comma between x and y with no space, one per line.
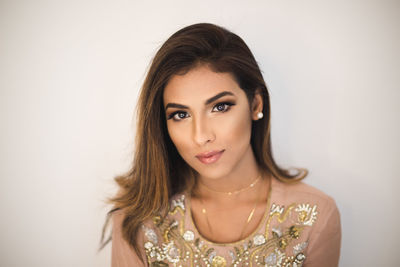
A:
[222,107]
[178,115]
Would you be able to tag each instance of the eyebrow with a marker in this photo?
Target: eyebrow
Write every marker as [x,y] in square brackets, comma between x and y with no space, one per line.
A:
[208,101]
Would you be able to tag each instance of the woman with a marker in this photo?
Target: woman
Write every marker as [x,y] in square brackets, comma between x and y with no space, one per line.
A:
[204,189]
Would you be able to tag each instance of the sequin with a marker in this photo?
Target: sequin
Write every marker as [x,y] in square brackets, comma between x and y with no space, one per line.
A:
[294,231]
[212,255]
[271,259]
[148,245]
[151,235]
[174,224]
[188,236]
[259,240]
[218,261]
[277,232]
[171,252]
[300,257]
[283,243]
[299,247]
[233,256]
[275,258]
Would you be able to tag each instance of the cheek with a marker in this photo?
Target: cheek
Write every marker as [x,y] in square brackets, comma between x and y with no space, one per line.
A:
[236,130]
[179,136]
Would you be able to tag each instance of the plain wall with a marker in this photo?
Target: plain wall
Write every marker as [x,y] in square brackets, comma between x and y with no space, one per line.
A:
[70,72]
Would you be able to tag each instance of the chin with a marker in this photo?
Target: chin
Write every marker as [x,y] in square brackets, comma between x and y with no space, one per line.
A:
[212,173]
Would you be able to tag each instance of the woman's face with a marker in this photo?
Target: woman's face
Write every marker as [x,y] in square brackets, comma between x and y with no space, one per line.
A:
[209,121]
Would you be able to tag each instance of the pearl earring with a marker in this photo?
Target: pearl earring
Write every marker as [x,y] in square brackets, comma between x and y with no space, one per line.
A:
[260,115]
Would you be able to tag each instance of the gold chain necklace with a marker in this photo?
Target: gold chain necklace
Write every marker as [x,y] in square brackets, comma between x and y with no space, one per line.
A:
[204,211]
[233,192]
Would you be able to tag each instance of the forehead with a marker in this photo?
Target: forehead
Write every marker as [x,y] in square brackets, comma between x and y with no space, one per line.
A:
[199,84]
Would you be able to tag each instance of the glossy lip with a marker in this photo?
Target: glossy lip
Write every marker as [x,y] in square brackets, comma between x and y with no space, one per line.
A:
[210,157]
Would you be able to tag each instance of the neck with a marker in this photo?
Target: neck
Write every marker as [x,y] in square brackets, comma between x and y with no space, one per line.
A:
[245,173]
[232,193]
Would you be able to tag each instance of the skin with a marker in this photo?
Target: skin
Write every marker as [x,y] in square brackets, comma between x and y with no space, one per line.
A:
[223,124]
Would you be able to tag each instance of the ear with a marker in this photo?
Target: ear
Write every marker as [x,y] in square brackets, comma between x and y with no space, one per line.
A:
[257,105]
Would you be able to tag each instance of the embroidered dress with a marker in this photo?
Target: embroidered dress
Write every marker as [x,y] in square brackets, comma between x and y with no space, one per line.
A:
[300,227]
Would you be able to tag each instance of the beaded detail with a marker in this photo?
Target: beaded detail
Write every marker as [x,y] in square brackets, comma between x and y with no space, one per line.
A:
[280,245]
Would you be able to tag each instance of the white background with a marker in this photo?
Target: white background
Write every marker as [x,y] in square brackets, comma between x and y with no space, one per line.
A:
[70,72]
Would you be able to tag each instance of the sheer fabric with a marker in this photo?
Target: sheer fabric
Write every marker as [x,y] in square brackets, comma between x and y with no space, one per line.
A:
[301,227]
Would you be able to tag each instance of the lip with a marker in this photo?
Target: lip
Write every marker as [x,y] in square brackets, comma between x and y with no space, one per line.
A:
[210,157]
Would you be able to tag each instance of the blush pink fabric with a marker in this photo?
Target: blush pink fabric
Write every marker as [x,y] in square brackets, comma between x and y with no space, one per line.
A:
[323,237]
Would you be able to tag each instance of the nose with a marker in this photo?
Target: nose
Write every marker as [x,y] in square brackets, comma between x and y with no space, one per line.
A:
[202,131]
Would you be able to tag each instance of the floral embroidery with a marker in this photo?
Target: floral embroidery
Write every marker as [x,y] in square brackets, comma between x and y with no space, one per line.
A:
[276,209]
[179,202]
[268,247]
[307,214]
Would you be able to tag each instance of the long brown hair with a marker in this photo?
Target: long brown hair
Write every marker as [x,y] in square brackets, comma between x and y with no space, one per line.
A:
[158,171]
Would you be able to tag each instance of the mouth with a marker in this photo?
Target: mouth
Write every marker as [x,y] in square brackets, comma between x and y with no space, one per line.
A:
[210,157]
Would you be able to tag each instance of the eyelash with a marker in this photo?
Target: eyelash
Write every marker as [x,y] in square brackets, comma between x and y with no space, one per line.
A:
[227,104]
